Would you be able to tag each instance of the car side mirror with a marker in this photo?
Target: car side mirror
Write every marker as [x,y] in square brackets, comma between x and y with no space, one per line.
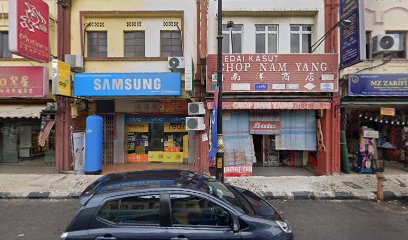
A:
[235,224]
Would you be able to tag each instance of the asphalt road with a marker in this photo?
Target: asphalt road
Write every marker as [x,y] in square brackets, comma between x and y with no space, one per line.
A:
[46,219]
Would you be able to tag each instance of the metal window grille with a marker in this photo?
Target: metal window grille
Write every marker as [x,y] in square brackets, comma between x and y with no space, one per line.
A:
[108,137]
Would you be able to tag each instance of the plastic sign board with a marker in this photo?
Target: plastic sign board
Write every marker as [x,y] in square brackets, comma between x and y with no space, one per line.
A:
[240,170]
[61,78]
[29,29]
[378,85]
[127,84]
[388,112]
[352,35]
[275,72]
[273,105]
[24,82]
[370,134]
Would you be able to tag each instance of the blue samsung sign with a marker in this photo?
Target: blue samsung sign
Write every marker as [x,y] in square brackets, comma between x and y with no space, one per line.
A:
[127,84]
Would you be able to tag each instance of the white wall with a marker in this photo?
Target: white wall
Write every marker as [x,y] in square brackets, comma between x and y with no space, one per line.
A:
[281,12]
[382,16]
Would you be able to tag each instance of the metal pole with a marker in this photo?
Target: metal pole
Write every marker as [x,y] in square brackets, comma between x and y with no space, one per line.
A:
[219,170]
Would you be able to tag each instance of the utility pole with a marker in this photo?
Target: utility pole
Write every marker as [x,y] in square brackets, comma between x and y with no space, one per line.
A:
[219,170]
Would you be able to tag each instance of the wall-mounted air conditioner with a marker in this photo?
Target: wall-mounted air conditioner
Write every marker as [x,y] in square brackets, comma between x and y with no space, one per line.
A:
[196,108]
[175,63]
[387,43]
[195,123]
[76,62]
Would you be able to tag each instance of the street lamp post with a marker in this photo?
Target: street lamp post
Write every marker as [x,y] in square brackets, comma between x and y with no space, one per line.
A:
[219,170]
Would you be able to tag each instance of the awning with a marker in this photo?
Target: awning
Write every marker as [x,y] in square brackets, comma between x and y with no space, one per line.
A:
[21,111]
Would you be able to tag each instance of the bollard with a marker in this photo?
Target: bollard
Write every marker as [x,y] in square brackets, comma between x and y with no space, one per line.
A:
[380,190]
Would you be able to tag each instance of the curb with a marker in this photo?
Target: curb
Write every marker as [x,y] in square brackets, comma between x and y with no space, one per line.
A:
[301,195]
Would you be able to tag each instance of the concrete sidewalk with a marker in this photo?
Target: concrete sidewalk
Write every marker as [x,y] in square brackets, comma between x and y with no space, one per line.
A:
[61,186]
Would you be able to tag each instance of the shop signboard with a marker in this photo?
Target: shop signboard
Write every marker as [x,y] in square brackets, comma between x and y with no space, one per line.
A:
[24,82]
[378,85]
[264,127]
[370,134]
[275,72]
[29,29]
[388,112]
[273,105]
[138,127]
[352,34]
[61,78]
[175,127]
[240,170]
[155,119]
[127,84]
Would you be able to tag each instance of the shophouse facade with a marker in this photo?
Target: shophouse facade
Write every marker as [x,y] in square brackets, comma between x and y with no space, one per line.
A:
[26,103]
[280,100]
[127,79]
[375,90]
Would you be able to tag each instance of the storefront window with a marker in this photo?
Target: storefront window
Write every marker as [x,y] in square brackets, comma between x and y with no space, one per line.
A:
[157,142]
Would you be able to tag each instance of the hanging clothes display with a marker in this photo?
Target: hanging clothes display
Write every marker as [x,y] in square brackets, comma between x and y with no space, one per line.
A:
[367,156]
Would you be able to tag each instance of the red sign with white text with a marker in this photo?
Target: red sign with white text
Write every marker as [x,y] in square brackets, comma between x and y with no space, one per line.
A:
[275,72]
[24,82]
[240,170]
[29,29]
[273,105]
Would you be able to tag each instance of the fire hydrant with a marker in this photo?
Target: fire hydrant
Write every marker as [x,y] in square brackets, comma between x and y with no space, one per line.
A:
[380,187]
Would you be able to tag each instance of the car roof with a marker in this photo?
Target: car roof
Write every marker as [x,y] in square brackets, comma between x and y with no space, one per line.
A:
[139,180]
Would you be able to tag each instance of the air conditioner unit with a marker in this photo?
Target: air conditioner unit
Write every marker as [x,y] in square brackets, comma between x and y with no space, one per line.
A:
[387,43]
[176,63]
[51,106]
[195,123]
[76,62]
[196,108]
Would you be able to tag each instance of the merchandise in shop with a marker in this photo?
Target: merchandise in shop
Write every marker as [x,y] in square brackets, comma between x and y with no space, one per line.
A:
[367,155]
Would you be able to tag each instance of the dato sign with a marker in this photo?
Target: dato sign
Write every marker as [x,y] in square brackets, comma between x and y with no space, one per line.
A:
[29,29]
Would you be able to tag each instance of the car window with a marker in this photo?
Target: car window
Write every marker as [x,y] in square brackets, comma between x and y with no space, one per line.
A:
[137,210]
[193,210]
[220,191]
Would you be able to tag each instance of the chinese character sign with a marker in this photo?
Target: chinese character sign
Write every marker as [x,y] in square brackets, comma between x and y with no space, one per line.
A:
[23,82]
[29,29]
[275,72]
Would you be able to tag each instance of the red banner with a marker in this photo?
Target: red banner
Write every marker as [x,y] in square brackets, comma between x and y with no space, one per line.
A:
[241,170]
[273,105]
[275,72]
[24,82]
[29,29]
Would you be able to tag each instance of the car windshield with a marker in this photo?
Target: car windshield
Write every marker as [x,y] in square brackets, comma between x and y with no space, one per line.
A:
[220,191]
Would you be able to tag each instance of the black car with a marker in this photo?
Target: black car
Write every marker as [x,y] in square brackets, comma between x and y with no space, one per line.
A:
[172,205]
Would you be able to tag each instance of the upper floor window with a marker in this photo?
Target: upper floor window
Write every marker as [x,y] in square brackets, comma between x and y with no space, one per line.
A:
[139,210]
[300,38]
[135,44]
[402,44]
[97,44]
[170,44]
[266,38]
[4,46]
[232,39]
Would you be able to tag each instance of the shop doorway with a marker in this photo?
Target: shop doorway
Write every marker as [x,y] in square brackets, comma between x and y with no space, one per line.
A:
[273,162]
